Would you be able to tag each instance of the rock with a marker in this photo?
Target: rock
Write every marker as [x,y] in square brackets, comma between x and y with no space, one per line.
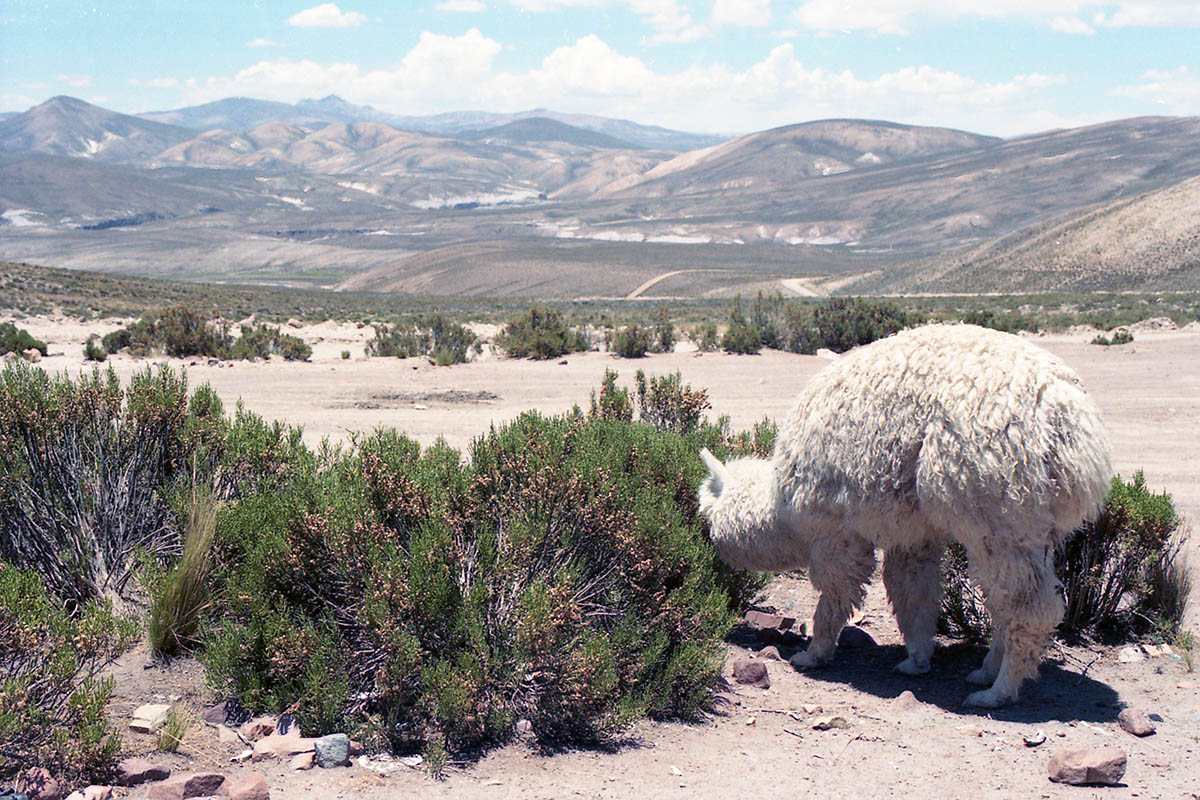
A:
[1035,739]
[770,652]
[32,355]
[227,712]
[189,784]
[1102,765]
[295,323]
[250,786]
[1135,721]
[150,717]
[753,673]
[727,699]
[134,771]
[288,725]
[227,735]
[1186,685]
[906,701]
[829,722]
[1151,650]
[333,750]
[762,621]
[303,761]
[242,757]
[257,728]
[275,746]
[854,636]
[38,784]
[92,793]
[811,709]
[1129,655]
[525,730]
[356,748]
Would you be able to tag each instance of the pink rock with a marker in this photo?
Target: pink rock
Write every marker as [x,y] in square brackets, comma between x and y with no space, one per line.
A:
[251,786]
[906,701]
[92,793]
[38,784]
[227,712]
[257,728]
[1102,765]
[762,621]
[1136,721]
[134,771]
[303,760]
[189,784]
[356,748]
[854,636]
[276,746]
[751,672]
[770,652]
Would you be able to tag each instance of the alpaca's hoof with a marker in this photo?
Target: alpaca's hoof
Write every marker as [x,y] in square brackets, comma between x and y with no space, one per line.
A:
[988,698]
[911,666]
[980,677]
[806,660]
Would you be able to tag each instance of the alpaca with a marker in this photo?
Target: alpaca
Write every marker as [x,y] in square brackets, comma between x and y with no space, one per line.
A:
[936,434]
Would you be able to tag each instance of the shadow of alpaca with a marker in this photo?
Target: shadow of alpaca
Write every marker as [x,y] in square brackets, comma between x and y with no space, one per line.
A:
[1060,694]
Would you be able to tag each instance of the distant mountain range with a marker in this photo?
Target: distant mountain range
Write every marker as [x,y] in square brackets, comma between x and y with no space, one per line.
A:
[329,192]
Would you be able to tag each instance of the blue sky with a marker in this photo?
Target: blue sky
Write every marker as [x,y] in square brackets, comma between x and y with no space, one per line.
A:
[1005,67]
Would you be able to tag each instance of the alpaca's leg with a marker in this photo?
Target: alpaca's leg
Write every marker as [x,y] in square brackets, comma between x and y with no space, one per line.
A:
[914,586]
[1028,603]
[987,672]
[839,571]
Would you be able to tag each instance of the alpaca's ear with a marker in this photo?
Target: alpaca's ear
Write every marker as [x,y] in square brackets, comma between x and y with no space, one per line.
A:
[715,467]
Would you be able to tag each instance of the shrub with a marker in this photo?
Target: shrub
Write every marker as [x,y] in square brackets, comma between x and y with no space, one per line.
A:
[18,340]
[668,405]
[1122,573]
[345,355]
[85,466]
[178,598]
[176,331]
[740,337]
[402,340]
[613,403]
[561,576]
[51,698]
[705,336]
[664,330]
[93,350]
[540,334]
[632,341]
[445,341]
[840,324]
[1120,336]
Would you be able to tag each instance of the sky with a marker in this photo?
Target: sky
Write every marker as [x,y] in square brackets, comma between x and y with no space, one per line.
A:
[1001,67]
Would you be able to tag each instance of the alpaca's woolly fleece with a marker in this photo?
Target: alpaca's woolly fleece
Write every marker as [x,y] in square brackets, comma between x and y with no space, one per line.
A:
[940,433]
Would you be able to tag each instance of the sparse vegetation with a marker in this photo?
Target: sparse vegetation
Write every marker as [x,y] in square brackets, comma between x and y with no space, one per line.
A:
[171,735]
[444,341]
[632,341]
[93,350]
[18,340]
[541,333]
[1120,336]
[178,598]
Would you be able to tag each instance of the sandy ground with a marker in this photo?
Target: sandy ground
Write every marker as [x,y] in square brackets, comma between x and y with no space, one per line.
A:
[1150,395]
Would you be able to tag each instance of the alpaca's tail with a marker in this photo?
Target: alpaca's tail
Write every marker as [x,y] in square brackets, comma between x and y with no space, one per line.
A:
[1080,460]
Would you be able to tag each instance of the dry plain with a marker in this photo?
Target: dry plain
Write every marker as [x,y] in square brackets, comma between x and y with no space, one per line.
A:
[1149,392]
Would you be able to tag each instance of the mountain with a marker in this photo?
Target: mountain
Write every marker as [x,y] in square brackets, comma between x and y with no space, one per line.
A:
[543,129]
[236,114]
[777,158]
[66,126]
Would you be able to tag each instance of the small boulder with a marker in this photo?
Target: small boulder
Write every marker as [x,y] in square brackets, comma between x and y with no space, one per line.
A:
[150,717]
[829,722]
[38,784]
[189,784]
[761,620]
[91,793]
[275,746]
[227,712]
[135,771]
[251,786]
[752,673]
[1130,655]
[295,323]
[303,761]
[227,735]
[257,728]
[1101,765]
[333,750]
[770,652]
[32,355]
[1135,721]
[906,701]
[854,636]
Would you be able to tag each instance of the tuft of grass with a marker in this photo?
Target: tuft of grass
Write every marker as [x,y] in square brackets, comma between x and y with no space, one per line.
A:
[181,596]
[1185,642]
[171,735]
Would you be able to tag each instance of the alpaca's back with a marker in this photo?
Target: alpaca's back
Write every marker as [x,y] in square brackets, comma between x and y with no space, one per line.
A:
[955,423]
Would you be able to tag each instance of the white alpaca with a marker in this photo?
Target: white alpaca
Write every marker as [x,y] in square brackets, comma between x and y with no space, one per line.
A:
[937,434]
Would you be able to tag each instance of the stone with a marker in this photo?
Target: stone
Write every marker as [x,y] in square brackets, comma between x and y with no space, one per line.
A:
[811,709]
[356,748]
[150,717]
[1135,721]
[1035,739]
[255,729]
[1129,655]
[38,784]
[242,757]
[294,323]
[227,712]
[333,750]
[92,793]
[189,784]
[906,701]
[829,722]
[854,636]
[753,673]
[303,761]
[1101,765]
[250,786]
[135,771]
[770,652]
[227,735]
[763,621]
[32,355]
[1186,685]
[275,746]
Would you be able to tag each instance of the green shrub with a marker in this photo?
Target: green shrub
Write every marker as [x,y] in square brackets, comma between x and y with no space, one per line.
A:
[345,355]
[668,405]
[664,330]
[18,340]
[178,598]
[740,337]
[176,331]
[541,333]
[705,336]
[613,403]
[632,341]
[562,576]
[445,341]
[52,699]
[1120,336]
[93,350]
[840,324]
[1122,573]
[85,465]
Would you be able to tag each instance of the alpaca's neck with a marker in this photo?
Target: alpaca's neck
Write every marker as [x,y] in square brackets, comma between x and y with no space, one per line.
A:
[756,533]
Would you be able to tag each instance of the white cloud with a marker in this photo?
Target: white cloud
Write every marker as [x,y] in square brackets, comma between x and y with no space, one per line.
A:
[465,6]
[78,81]
[261,42]
[1072,25]
[741,13]
[163,83]
[1176,90]
[670,19]
[327,15]
[1151,14]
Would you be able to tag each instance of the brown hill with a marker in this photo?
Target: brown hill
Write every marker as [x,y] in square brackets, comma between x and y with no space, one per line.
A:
[66,126]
